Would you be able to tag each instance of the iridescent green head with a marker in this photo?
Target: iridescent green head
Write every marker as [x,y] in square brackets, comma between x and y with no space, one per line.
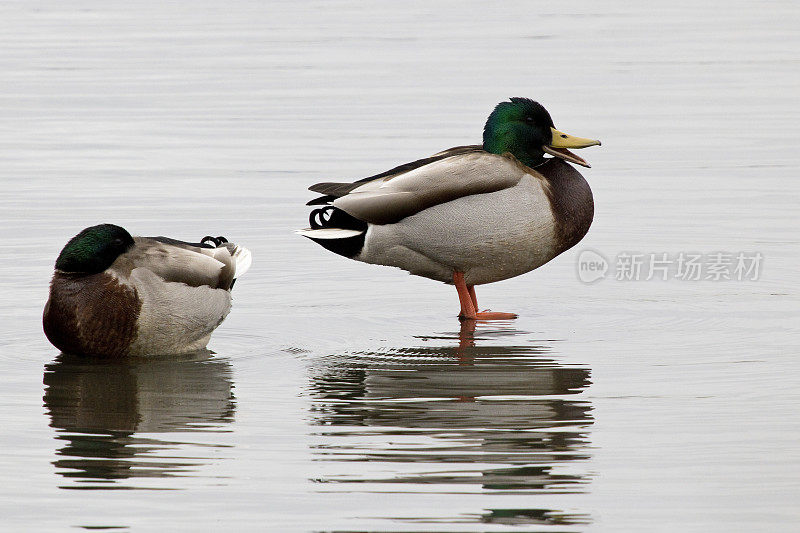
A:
[94,249]
[524,128]
[521,127]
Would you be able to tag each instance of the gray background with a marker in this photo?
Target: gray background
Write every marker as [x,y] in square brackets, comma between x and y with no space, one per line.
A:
[340,396]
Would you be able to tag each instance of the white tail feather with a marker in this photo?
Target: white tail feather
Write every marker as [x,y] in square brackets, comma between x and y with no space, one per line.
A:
[242,258]
[328,233]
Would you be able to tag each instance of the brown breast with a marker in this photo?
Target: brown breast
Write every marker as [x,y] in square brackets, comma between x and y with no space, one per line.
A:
[93,315]
[571,201]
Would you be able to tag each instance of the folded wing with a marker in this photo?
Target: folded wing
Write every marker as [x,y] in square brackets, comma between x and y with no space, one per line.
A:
[394,196]
[194,265]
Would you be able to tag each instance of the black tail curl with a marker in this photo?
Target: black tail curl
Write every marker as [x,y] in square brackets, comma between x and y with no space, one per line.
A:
[216,241]
[333,217]
[320,218]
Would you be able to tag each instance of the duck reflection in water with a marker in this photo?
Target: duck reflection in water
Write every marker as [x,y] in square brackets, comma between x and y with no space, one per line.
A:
[98,407]
[464,413]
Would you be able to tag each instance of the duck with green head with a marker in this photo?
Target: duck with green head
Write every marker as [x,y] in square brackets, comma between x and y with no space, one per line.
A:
[113,294]
[468,215]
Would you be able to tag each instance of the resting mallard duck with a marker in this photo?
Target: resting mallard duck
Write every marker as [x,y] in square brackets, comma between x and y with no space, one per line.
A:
[114,295]
[468,215]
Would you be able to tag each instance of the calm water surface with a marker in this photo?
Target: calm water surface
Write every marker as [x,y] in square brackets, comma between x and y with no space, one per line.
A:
[345,397]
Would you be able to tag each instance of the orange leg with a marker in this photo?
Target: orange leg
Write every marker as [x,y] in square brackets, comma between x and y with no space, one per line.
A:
[469,302]
[468,310]
[473,296]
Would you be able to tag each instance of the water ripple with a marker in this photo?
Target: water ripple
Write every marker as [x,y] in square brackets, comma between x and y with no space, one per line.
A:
[455,413]
[99,407]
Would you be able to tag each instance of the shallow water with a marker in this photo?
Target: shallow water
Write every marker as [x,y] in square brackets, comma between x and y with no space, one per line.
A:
[339,396]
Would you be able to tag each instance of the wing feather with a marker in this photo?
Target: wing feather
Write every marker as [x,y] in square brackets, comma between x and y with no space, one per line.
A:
[182,262]
[333,190]
[394,197]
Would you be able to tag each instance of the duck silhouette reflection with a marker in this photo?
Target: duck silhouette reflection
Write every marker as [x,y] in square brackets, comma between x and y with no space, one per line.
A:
[99,407]
[464,412]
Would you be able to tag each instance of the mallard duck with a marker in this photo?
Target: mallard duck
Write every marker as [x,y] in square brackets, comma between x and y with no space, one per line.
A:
[468,215]
[115,295]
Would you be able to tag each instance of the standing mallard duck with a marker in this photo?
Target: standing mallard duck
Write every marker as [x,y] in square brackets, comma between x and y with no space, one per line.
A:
[468,215]
[114,295]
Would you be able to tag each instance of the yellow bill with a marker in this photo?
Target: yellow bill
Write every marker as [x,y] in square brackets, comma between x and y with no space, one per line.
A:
[561,141]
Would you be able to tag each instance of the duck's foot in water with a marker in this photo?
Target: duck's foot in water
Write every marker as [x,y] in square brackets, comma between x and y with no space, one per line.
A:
[469,302]
[494,315]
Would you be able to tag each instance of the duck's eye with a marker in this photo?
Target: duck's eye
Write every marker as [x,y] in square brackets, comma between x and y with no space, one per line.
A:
[117,242]
[529,119]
